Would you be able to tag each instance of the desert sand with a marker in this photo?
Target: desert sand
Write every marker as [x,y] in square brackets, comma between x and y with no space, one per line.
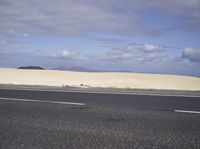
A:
[99,79]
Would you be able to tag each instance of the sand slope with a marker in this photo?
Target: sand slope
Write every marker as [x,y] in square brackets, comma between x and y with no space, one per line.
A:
[116,80]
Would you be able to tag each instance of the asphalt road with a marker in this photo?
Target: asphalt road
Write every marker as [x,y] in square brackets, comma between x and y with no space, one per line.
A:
[69,120]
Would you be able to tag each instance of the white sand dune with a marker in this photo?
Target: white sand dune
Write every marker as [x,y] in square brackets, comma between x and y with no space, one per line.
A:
[115,80]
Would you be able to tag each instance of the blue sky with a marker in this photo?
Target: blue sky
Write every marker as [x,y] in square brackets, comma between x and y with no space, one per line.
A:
[154,36]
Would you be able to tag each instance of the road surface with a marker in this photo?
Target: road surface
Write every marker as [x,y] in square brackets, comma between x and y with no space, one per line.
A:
[72,120]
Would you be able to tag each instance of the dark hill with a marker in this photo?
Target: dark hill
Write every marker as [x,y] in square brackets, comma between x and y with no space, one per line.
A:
[31,67]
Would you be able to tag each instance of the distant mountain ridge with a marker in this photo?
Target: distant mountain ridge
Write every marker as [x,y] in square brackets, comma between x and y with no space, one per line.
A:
[75,68]
[82,69]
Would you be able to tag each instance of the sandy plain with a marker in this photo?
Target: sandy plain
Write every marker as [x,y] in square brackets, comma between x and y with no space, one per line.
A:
[99,79]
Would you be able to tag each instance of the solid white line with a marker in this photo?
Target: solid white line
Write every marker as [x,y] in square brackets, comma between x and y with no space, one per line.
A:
[43,101]
[184,111]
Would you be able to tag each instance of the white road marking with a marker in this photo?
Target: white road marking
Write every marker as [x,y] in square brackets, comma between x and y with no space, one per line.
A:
[43,101]
[184,111]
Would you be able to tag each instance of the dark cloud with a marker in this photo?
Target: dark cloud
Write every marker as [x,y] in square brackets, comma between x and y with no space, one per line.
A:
[190,9]
[65,17]
[77,17]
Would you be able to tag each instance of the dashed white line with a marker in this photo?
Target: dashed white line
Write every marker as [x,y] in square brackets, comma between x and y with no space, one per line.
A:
[43,101]
[185,111]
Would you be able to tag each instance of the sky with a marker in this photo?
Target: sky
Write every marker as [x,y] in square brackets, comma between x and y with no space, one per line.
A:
[156,36]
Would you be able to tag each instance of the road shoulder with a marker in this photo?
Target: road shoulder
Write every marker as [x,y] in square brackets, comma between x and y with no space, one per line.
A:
[102,90]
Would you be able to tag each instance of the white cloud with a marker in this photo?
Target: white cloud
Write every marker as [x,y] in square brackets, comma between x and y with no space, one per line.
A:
[25,35]
[66,54]
[3,43]
[192,54]
[11,32]
[152,47]
[17,46]
[10,44]
[148,53]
